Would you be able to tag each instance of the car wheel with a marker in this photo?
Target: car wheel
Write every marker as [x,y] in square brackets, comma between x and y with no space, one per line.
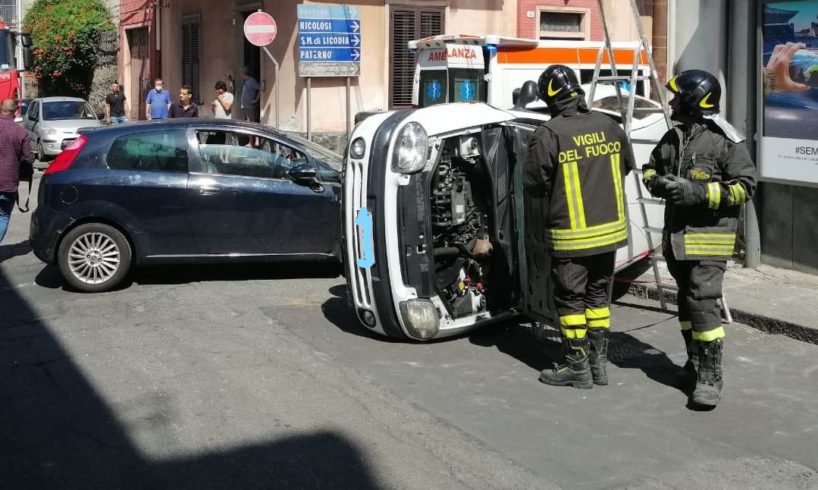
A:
[41,156]
[94,257]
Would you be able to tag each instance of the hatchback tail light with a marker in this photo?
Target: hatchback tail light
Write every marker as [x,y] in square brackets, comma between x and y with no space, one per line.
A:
[67,156]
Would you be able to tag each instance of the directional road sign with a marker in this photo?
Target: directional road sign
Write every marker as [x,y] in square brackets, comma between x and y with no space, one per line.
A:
[329,41]
[260,29]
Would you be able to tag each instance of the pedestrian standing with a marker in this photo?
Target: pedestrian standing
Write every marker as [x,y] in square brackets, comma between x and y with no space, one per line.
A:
[158,101]
[250,97]
[16,158]
[222,106]
[185,107]
[703,169]
[575,170]
[115,105]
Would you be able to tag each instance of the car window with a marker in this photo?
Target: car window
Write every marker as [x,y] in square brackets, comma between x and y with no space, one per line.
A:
[67,109]
[611,103]
[246,155]
[164,151]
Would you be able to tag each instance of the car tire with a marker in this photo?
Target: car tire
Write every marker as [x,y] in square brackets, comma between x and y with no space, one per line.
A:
[41,156]
[94,257]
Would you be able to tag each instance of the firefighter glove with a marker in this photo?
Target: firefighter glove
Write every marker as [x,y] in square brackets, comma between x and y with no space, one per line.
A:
[683,192]
[659,186]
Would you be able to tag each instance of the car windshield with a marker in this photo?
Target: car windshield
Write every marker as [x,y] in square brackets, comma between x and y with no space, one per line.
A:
[611,103]
[6,51]
[67,109]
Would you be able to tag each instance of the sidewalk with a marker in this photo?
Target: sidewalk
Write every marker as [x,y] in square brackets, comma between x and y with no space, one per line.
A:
[773,300]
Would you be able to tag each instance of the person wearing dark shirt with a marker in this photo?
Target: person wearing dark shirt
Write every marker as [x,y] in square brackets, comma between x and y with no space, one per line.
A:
[115,105]
[15,153]
[185,107]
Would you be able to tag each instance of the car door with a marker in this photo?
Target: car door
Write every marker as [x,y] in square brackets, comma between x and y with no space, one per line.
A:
[30,123]
[146,185]
[248,205]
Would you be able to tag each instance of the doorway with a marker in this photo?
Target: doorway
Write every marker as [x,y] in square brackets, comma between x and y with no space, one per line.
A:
[140,82]
[250,57]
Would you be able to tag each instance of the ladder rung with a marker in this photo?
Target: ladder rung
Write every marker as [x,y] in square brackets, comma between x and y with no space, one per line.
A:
[648,109]
[651,200]
[653,229]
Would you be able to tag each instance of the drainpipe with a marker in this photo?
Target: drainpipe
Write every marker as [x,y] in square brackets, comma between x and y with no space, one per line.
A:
[660,35]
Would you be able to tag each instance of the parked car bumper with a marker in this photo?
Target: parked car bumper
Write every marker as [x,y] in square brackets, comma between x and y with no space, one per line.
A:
[45,231]
[53,147]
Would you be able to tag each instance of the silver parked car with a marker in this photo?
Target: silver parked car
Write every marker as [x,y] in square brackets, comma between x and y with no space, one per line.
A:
[53,122]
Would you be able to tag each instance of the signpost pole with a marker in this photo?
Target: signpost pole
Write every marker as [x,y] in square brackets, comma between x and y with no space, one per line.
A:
[278,85]
[349,110]
[309,109]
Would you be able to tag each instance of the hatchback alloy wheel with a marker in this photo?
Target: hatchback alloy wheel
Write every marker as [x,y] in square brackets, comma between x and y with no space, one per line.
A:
[94,257]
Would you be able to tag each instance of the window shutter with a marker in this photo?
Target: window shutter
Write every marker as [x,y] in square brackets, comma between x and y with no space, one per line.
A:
[191,54]
[407,24]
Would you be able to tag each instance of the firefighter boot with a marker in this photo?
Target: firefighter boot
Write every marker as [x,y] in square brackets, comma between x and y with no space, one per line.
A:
[575,372]
[709,374]
[598,355]
[690,365]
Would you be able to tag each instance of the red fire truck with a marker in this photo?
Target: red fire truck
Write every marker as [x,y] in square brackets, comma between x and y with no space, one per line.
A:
[10,65]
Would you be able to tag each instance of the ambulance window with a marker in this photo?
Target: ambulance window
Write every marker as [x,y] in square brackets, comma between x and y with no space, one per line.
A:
[432,87]
[467,85]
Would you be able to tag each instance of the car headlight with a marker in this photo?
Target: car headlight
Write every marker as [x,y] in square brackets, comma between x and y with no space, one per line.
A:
[357,148]
[420,318]
[410,149]
[49,131]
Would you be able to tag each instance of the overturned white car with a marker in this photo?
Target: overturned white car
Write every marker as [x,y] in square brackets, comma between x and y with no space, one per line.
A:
[420,186]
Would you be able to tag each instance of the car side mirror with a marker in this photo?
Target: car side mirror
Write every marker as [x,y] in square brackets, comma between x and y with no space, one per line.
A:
[527,95]
[31,117]
[304,174]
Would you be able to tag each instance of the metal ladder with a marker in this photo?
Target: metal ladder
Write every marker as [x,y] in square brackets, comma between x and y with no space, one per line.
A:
[627,110]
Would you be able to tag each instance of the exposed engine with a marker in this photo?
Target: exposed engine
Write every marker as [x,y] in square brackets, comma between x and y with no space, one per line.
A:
[458,221]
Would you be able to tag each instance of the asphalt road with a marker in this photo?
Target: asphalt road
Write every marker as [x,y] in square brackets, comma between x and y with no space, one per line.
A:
[259,377]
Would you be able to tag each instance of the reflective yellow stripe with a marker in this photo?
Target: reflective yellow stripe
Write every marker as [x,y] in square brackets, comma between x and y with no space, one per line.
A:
[648,174]
[709,252]
[574,333]
[562,245]
[573,320]
[710,238]
[589,232]
[737,194]
[569,194]
[686,325]
[709,336]
[711,235]
[578,196]
[604,323]
[596,313]
[713,195]
[617,179]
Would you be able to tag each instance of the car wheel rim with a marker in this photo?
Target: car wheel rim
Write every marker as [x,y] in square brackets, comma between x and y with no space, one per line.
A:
[94,258]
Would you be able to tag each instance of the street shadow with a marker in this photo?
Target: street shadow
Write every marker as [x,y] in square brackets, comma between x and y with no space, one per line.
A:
[50,276]
[628,352]
[536,345]
[17,250]
[58,432]
[340,314]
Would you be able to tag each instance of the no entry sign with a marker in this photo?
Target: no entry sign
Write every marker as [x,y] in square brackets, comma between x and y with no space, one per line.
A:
[260,29]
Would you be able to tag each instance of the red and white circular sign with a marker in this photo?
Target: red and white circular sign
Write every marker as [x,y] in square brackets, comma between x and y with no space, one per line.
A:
[260,29]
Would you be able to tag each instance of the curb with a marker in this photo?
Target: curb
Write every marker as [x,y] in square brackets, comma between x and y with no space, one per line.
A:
[760,322]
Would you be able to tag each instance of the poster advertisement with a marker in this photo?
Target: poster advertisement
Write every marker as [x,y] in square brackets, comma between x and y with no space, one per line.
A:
[789,148]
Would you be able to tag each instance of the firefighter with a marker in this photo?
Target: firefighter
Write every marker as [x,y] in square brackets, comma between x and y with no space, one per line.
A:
[703,170]
[575,169]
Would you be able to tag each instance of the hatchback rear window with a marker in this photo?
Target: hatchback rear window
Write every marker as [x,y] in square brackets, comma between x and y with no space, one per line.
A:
[164,151]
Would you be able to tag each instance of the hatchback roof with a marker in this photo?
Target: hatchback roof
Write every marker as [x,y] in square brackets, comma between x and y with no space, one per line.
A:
[61,99]
[188,121]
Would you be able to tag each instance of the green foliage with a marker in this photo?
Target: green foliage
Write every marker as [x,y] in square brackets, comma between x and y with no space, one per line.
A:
[66,35]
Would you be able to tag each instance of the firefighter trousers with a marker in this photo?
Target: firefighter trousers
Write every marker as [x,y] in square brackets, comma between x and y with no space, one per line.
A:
[699,283]
[582,292]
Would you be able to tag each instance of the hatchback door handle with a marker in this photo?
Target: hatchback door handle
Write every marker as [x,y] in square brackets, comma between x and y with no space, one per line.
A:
[207,190]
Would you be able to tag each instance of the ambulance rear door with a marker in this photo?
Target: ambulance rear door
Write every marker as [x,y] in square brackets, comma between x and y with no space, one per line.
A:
[453,73]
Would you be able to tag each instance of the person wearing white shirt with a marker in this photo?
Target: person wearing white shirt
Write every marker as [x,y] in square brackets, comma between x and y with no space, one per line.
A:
[222,106]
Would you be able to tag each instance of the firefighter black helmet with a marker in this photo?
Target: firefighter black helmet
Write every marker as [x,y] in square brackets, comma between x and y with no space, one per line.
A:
[558,82]
[698,92]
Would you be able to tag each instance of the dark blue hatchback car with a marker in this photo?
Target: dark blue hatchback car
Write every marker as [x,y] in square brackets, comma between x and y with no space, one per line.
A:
[185,190]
